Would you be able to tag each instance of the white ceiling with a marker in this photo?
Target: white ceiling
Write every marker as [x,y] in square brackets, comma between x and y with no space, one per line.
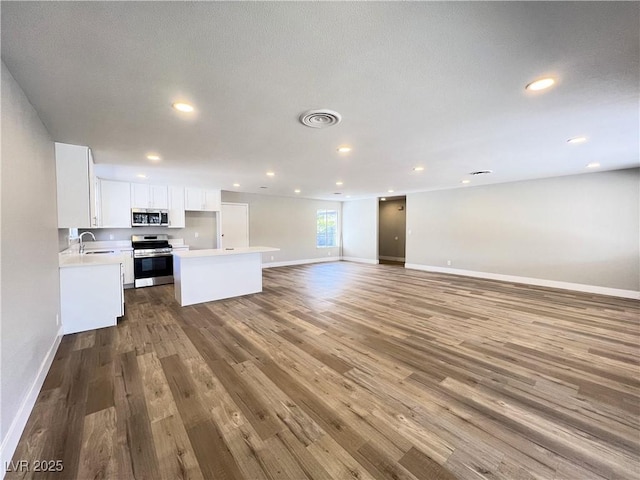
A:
[438,85]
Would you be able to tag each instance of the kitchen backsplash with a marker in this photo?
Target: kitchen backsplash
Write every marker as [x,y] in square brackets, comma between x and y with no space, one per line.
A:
[202,223]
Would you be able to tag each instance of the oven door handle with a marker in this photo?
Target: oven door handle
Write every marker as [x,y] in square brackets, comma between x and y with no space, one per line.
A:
[153,255]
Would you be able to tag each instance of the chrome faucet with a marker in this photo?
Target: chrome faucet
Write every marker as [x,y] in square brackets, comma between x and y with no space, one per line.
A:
[82,244]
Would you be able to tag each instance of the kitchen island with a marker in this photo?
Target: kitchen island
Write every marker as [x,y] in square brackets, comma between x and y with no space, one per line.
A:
[213,274]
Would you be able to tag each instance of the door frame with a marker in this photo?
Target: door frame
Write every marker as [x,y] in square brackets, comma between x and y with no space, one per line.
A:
[221,220]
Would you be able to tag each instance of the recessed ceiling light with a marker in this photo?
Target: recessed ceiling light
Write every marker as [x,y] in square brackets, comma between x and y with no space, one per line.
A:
[338,183]
[577,140]
[348,196]
[183,107]
[297,190]
[593,165]
[271,174]
[540,84]
[418,169]
[141,175]
[153,156]
[389,191]
[383,199]
[344,149]
[236,184]
[466,181]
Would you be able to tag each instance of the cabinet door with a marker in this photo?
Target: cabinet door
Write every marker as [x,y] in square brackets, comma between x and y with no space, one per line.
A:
[176,207]
[90,297]
[115,204]
[193,199]
[74,182]
[212,200]
[127,260]
[159,196]
[140,195]
[93,192]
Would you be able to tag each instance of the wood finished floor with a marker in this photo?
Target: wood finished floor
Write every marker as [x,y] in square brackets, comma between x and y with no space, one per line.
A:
[342,370]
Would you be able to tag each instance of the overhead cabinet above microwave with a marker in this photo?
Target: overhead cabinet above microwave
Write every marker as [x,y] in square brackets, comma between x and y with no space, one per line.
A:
[149,196]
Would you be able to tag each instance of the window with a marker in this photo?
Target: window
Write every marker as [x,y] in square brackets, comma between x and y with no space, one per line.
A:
[327,228]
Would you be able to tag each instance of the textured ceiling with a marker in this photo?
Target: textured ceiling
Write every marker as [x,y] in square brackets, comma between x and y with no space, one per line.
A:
[437,85]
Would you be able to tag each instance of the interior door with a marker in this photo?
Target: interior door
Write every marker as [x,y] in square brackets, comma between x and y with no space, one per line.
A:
[235,225]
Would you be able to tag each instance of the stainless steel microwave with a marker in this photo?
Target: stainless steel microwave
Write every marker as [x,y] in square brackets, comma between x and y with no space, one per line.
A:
[145,217]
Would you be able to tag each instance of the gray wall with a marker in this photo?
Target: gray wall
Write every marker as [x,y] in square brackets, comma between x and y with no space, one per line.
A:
[203,223]
[392,228]
[360,230]
[286,223]
[29,255]
[581,229]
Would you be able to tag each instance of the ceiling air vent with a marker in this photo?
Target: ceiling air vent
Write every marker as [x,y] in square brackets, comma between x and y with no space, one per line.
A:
[481,172]
[320,118]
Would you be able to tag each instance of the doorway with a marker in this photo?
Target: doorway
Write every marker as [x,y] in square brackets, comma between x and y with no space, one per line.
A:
[235,225]
[392,228]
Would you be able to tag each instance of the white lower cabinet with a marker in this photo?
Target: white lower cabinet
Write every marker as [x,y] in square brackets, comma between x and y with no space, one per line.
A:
[91,296]
[127,261]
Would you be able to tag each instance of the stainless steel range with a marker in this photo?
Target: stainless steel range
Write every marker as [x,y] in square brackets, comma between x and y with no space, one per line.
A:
[152,260]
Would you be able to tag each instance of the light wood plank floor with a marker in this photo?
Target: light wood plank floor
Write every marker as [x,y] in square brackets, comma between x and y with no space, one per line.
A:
[352,371]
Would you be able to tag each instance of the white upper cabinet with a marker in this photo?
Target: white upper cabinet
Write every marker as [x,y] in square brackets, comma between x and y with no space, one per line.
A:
[75,186]
[176,207]
[212,200]
[114,205]
[201,199]
[159,196]
[149,196]
[193,198]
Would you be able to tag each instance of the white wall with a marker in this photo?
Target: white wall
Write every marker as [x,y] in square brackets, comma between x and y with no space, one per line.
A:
[29,258]
[579,229]
[360,230]
[286,223]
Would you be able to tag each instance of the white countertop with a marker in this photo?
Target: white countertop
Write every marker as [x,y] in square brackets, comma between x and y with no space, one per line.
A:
[84,260]
[115,245]
[214,252]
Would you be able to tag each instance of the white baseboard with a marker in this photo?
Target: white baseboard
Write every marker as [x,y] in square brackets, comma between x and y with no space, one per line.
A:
[305,261]
[392,259]
[10,441]
[360,260]
[578,287]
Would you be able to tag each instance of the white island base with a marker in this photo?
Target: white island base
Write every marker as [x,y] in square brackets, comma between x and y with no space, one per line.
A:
[208,275]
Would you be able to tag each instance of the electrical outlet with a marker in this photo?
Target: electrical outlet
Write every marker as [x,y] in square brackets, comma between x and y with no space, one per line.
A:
[271,257]
[328,254]
[57,319]
[448,262]
[196,234]
[111,236]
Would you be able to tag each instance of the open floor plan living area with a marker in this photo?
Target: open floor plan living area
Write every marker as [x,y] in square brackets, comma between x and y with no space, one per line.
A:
[320,240]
